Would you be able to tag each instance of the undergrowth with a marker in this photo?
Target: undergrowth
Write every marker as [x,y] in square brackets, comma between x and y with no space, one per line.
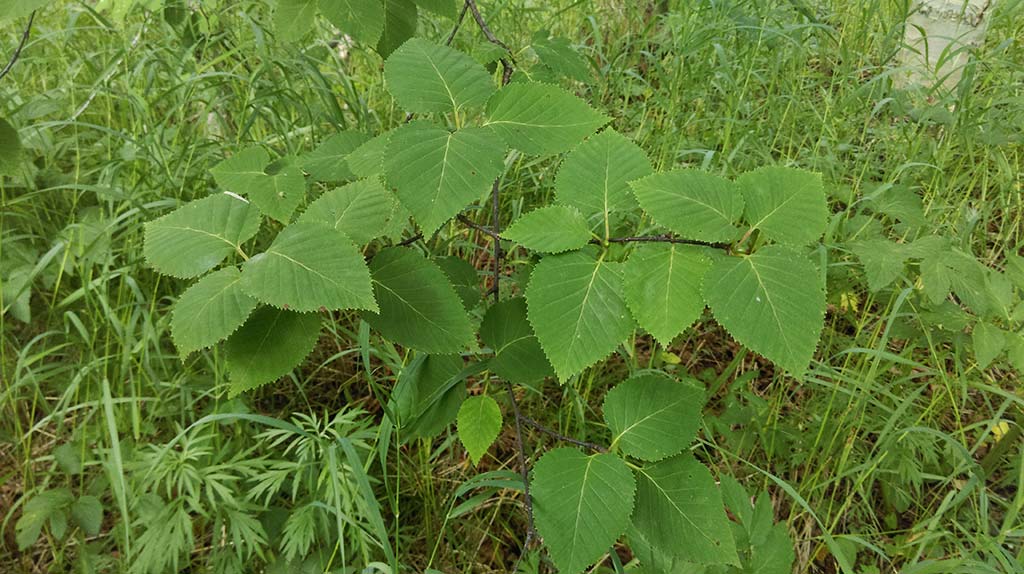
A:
[897,451]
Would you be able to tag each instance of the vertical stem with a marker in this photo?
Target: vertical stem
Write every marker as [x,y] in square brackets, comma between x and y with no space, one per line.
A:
[506,62]
[455,28]
[528,500]
[524,471]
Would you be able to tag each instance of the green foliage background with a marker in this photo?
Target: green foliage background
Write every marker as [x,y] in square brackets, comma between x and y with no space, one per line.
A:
[899,448]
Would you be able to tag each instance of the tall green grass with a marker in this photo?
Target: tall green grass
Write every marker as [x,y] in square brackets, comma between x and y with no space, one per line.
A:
[886,457]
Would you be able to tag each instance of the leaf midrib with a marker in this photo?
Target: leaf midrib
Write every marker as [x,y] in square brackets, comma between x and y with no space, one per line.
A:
[583,305]
[645,419]
[672,502]
[202,232]
[768,298]
[447,88]
[579,509]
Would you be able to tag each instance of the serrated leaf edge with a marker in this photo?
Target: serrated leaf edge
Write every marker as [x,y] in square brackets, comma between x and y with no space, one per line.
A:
[233,393]
[743,340]
[670,380]
[659,222]
[567,249]
[632,491]
[700,287]
[607,119]
[558,376]
[222,339]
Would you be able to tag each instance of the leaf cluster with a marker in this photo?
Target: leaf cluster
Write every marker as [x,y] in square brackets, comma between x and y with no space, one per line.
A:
[738,246]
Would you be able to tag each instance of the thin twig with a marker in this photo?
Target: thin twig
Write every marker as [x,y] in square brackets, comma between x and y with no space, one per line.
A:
[483,26]
[662,239]
[458,23]
[506,77]
[562,437]
[522,553]
[410,241]
[494,233]
[17,51]
[470,223]
[506,61]
[521,452]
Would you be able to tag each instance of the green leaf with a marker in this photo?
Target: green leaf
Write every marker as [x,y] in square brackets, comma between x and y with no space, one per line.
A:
[360,210]
[897,202]
[399,222]
[427,395]
[276,189]
[361,19]
[581,505]
[883,261]
[551,229]
[69,457]
[692,203]
[654,561]
[367,160]
[595,176]
[926,245]
[1015,269]
[488,53]
[999,294]
[1015,351]
[935,278]
[400,17]
[771,302]
[293,19]
[558,54]
[436,173]
[774,555]
[40,508]
[518,356]
[653,416]
[10,148]
[577,310]
[418,305]
[328,161]
[765,548]
[59,523]
[1017,314]
[989,341]
[16,293]
[310,266]
[11,9]
[786,204]
[679,511]
[210,310]
[279,194]
[196,237]
[268,346]
[479,424]
[541,119]
[444,8]
[662,286]
[88,514]
[241,171]
[426,77]
[464,278]
[955,270]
